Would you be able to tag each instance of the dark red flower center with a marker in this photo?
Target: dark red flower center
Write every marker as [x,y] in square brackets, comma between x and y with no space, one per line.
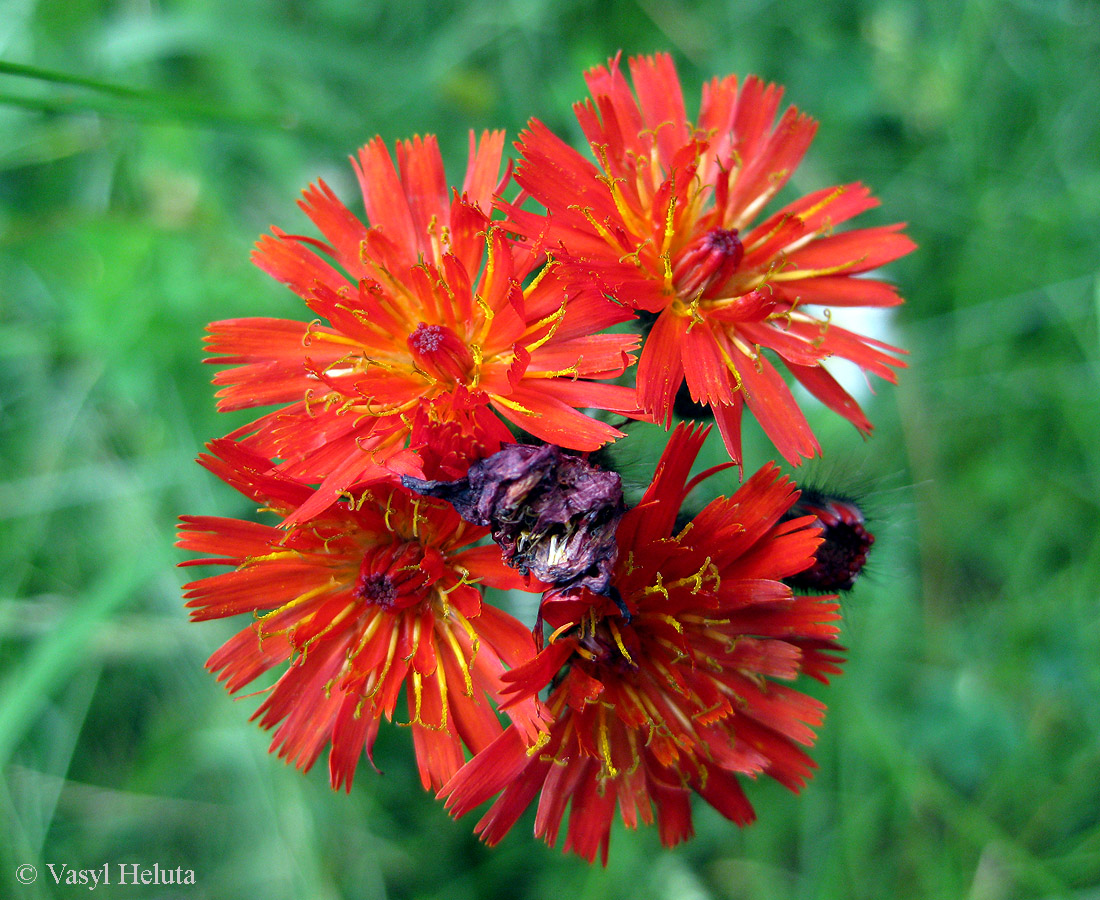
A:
[378,589]
[440,353]
[707,263]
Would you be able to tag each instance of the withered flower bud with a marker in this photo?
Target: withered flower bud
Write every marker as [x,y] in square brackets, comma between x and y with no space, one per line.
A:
[551,513]
[846,541]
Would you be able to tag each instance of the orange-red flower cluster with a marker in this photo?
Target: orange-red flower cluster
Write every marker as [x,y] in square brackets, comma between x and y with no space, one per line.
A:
[680,690]
[450,327]
[664,223]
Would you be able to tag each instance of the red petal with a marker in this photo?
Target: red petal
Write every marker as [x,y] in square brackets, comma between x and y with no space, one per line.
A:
[661,368]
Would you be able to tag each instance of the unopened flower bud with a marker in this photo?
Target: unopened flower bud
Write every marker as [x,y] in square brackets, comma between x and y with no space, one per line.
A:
[842,554]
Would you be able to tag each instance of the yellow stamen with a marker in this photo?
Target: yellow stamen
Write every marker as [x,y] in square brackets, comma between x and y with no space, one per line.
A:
[460,657]
[605,748]
[554,320]
[619,641]
[511,404]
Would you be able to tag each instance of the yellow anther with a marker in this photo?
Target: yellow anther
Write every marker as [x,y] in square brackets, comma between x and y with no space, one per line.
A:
[511,404]
[601,229]
[541,741]
[730,365]
[456,648]
[554,320]
[386,665]
[605,750]
[658,587]
[615,633]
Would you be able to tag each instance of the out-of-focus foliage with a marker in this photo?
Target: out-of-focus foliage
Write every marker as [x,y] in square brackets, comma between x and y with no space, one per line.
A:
[147,144]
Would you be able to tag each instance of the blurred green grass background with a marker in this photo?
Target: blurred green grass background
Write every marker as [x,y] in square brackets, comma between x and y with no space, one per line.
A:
[147,143]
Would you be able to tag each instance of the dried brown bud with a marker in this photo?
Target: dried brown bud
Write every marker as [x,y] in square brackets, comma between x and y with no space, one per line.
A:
[551,513]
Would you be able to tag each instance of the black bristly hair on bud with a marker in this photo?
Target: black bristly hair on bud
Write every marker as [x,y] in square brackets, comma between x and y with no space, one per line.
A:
[854,512]
[846,541]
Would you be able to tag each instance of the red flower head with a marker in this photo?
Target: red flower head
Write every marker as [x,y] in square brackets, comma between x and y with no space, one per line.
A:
[371,595]
[664,224]
[682,694]
[423,325]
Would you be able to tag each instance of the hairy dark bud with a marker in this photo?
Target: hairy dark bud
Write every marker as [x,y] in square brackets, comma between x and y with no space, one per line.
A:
[551,513]
[846,541]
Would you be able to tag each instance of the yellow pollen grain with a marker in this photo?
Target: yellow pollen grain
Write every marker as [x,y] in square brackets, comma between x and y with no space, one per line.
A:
[693,310]
[386,665]
[369,362]
[677,653]
[764,238]
[605,749]
[704,620]
[670,219]
[368,632]
[730,365]
[657,588]
[336,620]
[415,641]
[487,316]
[550,263]
[460,658]
[300,599]
[835,194]
[635,255]
[415,683]
[479,358]
[275,554]
[441,680]
[572,372]
[475,641]
[490,257]
[601,230]
[785,316]
[554,320]
[541,741]
[517,407]
[433,236]
[363,319]
[798,274]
